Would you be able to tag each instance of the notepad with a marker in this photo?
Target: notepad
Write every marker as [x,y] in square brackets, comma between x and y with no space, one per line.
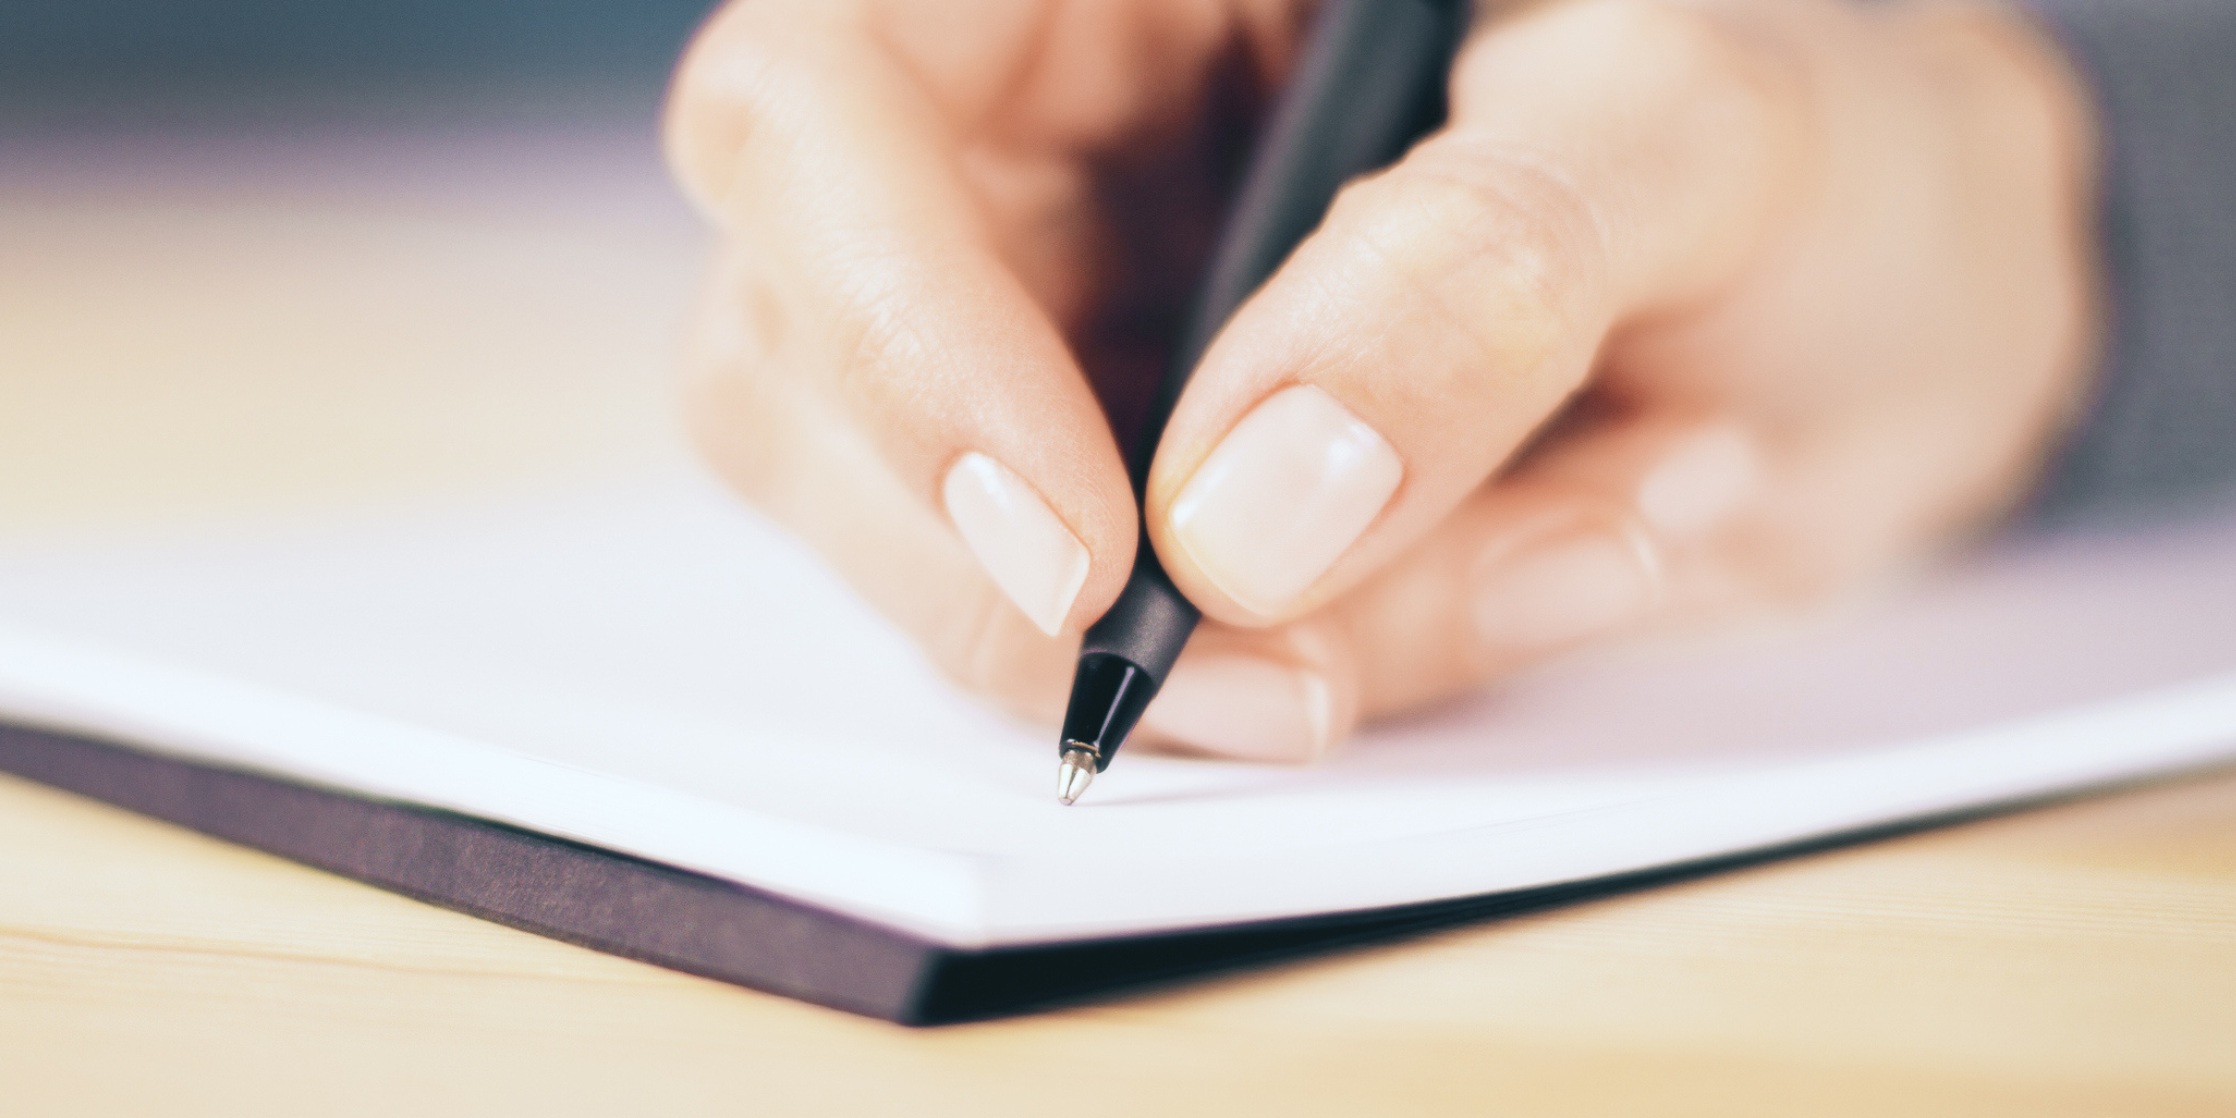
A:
[639,666]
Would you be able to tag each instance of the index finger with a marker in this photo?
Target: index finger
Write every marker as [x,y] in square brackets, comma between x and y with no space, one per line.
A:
[839,176]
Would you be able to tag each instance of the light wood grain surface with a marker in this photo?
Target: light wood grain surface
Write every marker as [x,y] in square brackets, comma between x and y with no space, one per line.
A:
[223,330]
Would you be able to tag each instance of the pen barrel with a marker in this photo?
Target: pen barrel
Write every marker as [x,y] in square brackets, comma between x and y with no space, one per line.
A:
[1148,623]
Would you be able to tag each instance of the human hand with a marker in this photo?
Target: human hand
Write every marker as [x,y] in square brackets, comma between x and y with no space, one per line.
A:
[1691,309]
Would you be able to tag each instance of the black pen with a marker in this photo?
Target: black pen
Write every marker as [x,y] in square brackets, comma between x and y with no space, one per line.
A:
[1370,83]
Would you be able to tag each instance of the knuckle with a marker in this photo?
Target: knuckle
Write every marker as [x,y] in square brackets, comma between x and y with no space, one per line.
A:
[983,645]
[1501,244]
[883,360]
[1662,39]
[966,642]
[901,350]
[746,51]
[741,429]
[711,101]
[1682,58]
[747,64]
[739,406]
[1662,63]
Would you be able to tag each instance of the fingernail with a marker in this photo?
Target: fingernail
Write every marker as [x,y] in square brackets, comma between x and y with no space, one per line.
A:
[1552,595]
[1283,496]
[1017,538]
[1244,707]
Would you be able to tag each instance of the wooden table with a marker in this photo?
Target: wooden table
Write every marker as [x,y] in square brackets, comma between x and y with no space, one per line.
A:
[243,328]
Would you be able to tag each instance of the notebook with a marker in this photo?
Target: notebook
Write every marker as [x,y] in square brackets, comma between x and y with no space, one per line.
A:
[627,711]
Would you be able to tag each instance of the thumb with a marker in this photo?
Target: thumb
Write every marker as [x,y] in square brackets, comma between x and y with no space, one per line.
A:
[1604,160]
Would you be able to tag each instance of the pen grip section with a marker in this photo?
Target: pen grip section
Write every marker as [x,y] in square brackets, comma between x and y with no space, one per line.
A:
[1125,657]
[1148,623]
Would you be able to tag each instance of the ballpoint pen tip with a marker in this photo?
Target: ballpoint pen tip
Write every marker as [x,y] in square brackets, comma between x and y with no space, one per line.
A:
[1073,774]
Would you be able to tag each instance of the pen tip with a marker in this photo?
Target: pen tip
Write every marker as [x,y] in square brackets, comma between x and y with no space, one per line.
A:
[1073,774]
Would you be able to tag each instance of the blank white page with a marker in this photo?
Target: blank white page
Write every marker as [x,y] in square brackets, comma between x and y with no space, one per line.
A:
[644,665]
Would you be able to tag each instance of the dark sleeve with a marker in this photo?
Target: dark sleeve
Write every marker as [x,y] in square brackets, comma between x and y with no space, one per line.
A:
[2161,428]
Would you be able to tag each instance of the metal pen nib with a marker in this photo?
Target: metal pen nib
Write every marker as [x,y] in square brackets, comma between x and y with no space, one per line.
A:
[1074,773]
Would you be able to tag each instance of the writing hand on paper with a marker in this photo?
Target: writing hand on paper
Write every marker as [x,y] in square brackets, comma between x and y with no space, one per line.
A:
[1691,309]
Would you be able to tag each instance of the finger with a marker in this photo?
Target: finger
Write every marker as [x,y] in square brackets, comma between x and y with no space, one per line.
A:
[1644,525]
[835,174]
[1623,526]
[792,452]
[1618,530]
[1620,527]
[1287,694]
[1605,161]
[1635,526]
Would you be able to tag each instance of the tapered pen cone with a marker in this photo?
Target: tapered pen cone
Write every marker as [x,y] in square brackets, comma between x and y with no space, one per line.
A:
[1073,774]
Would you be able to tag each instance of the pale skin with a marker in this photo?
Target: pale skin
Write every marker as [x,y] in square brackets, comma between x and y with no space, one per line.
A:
[1693,310]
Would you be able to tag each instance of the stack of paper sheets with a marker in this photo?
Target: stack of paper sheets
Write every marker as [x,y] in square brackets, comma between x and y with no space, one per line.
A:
[643,665]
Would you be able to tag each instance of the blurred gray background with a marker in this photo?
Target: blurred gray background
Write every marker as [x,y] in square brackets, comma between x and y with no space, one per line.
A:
[68,62]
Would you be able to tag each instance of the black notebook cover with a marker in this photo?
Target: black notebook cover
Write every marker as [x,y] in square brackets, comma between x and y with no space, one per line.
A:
[671,917]
[703,925]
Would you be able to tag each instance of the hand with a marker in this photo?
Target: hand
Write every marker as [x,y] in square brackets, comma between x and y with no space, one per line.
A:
[1691,309]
